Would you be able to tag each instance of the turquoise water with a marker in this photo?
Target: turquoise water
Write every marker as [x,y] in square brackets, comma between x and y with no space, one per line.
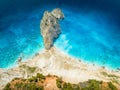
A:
[90,36]
[20,36]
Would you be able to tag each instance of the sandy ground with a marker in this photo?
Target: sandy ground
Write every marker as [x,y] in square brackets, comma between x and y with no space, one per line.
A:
[56,62]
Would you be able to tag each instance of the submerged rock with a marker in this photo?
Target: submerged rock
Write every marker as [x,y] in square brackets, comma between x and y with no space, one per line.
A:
[50,28]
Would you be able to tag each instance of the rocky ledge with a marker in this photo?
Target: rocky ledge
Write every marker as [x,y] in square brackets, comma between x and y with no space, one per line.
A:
[49,26]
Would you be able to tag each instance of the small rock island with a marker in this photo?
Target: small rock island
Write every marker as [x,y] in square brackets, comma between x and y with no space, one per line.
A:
[50,28]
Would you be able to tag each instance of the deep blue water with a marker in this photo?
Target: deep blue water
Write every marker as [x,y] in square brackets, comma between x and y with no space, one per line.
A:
[90,30]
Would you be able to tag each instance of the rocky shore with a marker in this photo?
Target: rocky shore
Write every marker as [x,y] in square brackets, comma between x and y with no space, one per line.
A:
[55,62]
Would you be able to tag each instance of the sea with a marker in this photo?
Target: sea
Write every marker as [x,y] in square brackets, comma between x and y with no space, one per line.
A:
[90,30]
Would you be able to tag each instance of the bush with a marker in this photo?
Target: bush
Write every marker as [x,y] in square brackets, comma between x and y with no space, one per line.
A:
[31,69]
[67,86]
[40,88]
[59,83]
[7,87]
[33,79]
[29,86]
[24,80]
[92,85]
[40,76]
[18,85]
[112,86]
[76,87]
[15,79]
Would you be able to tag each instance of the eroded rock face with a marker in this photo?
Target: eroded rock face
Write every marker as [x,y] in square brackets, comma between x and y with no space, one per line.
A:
[50,28]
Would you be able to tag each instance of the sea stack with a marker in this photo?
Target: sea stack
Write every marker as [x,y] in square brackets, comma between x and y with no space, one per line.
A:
[49,26]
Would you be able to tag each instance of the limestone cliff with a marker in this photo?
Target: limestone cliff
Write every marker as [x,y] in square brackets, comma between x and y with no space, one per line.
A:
[49,26]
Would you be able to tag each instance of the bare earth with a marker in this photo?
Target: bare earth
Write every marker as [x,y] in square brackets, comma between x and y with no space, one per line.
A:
[55,62]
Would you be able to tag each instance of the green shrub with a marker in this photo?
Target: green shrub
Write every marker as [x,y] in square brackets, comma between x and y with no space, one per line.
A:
[104,73]
[109,75]
[30,80]
[59,83]
[112,75]
[75,87]
[7,87]
[40,88]
[67,86]
[92,85]
[112,86]
[33,79]
[15,79]
[22,66]
[18,85]
[40,76]
[24,80]
[31,69]
[29,86]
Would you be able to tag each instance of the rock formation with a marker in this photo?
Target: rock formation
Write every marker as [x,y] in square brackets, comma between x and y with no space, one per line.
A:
[49,26]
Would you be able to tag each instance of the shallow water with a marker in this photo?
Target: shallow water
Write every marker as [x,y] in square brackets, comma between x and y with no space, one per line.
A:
[89,35]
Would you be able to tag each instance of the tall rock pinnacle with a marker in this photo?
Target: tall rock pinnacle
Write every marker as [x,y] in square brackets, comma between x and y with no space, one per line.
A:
[49,26]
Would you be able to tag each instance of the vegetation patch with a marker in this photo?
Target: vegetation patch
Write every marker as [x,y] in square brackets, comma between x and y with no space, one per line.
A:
[7,87]
[109,75]
[59,83]
[28,68]
[112,86]
[38,83]
[40,76]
